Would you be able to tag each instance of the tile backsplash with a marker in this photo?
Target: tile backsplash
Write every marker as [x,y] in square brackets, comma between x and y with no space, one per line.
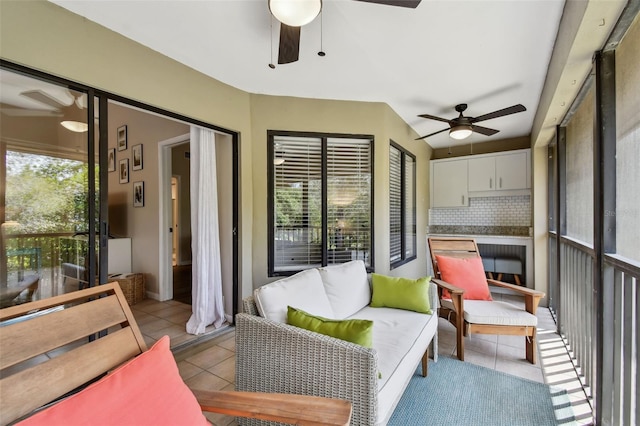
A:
[486,211]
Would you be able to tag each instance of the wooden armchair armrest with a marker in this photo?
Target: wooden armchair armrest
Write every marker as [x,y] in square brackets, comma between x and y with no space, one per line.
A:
[456,297]
[450,287]
[278,407]
[531,297]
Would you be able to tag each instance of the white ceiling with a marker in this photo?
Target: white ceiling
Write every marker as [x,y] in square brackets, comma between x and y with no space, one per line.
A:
[488,54]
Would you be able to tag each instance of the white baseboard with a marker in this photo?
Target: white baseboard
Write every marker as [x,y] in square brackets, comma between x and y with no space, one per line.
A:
[152,295]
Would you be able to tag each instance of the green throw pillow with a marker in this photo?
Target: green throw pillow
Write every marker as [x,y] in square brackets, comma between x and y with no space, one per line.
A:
[354,330]
[401,293]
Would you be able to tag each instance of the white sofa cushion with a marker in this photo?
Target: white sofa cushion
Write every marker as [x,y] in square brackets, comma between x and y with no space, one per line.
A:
[494,313]
[303,290]
[347,287]
[400,338]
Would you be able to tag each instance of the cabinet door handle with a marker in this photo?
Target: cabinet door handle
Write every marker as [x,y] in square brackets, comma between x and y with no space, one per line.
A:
[463,200]
[490,183]
[500,182]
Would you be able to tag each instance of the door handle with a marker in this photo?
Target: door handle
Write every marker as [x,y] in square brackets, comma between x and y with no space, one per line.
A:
[490,183]
[463,200]
[500,182]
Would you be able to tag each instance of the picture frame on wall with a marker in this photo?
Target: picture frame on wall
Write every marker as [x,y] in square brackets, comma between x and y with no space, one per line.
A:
[137,157]
[124,170]
[138,194]
[122,138]
[111,160]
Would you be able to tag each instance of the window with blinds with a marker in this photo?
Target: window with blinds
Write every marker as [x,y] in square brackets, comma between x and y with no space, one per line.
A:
[319,201]
[402,205]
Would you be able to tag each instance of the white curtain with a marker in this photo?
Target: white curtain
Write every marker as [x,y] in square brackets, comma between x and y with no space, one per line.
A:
[207,307]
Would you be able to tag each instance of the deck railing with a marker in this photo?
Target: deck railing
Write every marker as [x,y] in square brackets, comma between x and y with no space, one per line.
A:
[572,302]
[621,342]
[42,252]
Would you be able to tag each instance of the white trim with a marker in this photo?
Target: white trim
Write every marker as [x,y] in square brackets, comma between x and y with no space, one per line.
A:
[165,271]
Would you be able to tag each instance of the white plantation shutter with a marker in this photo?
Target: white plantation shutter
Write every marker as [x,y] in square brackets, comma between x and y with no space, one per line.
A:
[395,204]
[299,207]
[298,222]
[349,199]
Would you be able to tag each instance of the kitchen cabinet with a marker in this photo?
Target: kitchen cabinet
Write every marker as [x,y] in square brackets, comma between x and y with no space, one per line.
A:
[449,183]
[499,172]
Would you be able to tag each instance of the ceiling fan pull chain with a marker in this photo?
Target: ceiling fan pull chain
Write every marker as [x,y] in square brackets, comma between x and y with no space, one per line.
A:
[271,65]
[321,53]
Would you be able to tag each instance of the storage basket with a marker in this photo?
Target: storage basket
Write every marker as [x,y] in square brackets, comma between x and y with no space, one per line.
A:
[132,286]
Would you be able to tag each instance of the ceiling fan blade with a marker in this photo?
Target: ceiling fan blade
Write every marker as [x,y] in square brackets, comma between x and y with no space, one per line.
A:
[433,117]
[43,97]
[484,130]
[431,134]
[500,113]
[289,44]
[403,3]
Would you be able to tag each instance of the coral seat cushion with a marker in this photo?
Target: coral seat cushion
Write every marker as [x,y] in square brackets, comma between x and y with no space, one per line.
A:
[147,390]
[467,273]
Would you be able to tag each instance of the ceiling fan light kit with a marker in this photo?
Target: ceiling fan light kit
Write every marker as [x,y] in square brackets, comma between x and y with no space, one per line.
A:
[460,132]
[295,13]
[75,126]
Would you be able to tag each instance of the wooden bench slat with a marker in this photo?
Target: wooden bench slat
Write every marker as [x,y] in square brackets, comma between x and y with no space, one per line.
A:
[63,299]
[71,324]
[29,389]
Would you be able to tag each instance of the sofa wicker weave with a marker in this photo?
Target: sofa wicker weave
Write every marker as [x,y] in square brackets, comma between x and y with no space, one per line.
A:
[272,356]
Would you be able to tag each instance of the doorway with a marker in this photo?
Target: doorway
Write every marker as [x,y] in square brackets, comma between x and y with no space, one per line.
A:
[175,215]
[180,228]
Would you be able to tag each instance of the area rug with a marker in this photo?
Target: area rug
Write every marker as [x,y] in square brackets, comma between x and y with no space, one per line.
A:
[461,393]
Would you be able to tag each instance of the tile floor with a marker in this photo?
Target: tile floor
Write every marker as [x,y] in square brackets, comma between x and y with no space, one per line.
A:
[210,364]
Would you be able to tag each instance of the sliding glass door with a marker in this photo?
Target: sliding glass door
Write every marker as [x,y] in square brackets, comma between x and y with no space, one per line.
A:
[49,188]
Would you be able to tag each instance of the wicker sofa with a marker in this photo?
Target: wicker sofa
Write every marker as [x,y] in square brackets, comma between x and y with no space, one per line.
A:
[272,356]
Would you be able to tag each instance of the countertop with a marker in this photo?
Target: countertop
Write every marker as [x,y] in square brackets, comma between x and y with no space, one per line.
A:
[477,231]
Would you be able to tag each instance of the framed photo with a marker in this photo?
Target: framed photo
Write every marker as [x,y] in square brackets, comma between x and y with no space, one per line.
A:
[138,194]
[122,138]
[137,157]
[124,171]
[111,160]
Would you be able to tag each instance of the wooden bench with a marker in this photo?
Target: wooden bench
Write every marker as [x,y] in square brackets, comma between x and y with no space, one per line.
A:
[32,376]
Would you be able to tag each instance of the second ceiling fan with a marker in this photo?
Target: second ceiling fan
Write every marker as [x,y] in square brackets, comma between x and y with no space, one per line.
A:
[462,127]
[293,14]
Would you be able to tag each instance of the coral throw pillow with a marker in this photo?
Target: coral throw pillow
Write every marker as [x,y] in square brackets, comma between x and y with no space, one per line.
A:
[468,274]
[147,390]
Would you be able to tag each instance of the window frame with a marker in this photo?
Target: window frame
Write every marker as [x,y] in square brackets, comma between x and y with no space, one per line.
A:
[271,135]
[404,258]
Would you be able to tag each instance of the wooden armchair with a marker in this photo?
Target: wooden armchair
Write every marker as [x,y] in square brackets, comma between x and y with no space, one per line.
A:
[35,372]
[479,316]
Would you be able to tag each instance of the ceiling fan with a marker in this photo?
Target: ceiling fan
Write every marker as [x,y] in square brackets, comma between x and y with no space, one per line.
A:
[462,127]
[295,14]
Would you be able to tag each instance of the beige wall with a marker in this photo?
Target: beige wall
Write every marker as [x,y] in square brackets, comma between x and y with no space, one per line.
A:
[43,36]
[325,116]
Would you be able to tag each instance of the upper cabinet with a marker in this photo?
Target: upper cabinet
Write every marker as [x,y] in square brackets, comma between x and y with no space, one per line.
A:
[454,180]
[449,183]
[499,172]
